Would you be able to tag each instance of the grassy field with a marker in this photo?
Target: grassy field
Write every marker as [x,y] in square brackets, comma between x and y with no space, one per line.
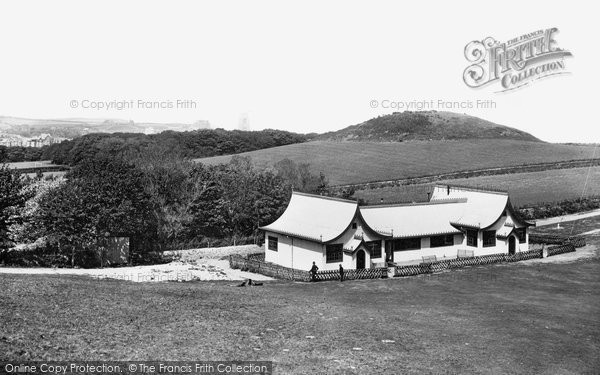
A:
[524,188]
[355,162]
[511,318]
[568,228]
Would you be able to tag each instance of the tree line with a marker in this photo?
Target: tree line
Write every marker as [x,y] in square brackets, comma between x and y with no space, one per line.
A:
[191,144]
[156,196]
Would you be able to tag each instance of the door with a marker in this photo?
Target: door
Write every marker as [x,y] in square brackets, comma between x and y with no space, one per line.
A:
[511,245]
[360,260]
[389,254]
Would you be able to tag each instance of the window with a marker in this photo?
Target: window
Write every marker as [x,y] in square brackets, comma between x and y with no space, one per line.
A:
[521,234]
[489,238]
[471,238]
[354,226]
[375,247]
[407,244]
[439,241]
[272,243]
[333,253]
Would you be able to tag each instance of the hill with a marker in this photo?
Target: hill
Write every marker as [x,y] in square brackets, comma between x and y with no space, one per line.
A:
[426,125]
[356,162]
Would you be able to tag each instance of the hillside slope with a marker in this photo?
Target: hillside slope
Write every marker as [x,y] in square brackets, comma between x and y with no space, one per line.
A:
[426,125]
[356,162]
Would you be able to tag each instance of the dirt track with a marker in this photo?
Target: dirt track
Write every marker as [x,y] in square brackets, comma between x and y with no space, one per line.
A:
[561,219]
[195,264]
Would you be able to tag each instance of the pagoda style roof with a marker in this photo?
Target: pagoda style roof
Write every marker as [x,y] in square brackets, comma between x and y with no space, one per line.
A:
[315,217]
[450,210]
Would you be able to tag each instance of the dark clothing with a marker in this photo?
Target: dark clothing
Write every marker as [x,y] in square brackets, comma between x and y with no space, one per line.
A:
[341,273]
[313,272]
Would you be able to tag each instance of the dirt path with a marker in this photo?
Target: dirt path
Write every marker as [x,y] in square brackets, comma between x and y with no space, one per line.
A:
[561,219]
[193,265]
[206,270]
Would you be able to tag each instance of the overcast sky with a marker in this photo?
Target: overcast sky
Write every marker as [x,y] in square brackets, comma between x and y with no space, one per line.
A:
[304,66]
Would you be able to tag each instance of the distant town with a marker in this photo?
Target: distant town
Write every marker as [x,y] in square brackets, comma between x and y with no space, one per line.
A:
[21,132]
[37,141]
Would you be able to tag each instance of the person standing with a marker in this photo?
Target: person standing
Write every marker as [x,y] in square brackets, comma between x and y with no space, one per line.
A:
[313,272]
[341,273]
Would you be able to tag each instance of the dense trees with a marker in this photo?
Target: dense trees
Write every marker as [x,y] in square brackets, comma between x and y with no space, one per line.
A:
[103,197]
[156,197]
[300,177]
[9,154]
[12,199]
[192,144]
[234,199]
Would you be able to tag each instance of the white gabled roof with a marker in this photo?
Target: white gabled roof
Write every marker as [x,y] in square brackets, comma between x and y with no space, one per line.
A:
[314,217]
[505,231]
[482,209]
[353,244]
[414,220]
[324,219]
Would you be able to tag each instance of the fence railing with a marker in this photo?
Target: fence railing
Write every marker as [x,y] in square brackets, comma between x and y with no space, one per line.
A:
[566,248]
[442,265]
[554,239]
[268,269]
[367,273]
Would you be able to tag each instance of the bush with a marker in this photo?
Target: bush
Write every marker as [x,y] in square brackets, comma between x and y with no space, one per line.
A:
[565,207]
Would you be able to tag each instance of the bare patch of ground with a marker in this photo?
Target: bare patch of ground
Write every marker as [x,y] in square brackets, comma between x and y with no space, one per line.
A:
[192,265]
[214,252]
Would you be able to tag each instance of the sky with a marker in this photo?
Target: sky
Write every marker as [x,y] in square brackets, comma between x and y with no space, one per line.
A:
[303,66]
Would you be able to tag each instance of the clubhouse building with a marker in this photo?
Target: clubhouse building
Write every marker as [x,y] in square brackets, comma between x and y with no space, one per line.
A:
[456,221]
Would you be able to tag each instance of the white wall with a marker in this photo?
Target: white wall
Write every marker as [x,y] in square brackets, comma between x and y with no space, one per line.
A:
[299,254]
[294,252]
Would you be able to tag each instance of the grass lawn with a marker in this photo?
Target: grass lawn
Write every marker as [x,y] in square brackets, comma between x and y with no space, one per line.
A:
[524,188]
[511,318]
[356,162]
[573,228]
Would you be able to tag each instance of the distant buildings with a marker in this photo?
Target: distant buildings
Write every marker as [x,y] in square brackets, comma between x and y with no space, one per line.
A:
[36,141]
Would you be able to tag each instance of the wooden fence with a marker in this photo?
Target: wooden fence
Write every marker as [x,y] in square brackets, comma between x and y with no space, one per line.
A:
[561,249]
[553,239]
[433,267]
[367,273]
[268,269]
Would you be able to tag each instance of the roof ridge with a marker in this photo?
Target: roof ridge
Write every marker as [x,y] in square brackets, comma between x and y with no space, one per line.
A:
[325,197]
[428,203]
